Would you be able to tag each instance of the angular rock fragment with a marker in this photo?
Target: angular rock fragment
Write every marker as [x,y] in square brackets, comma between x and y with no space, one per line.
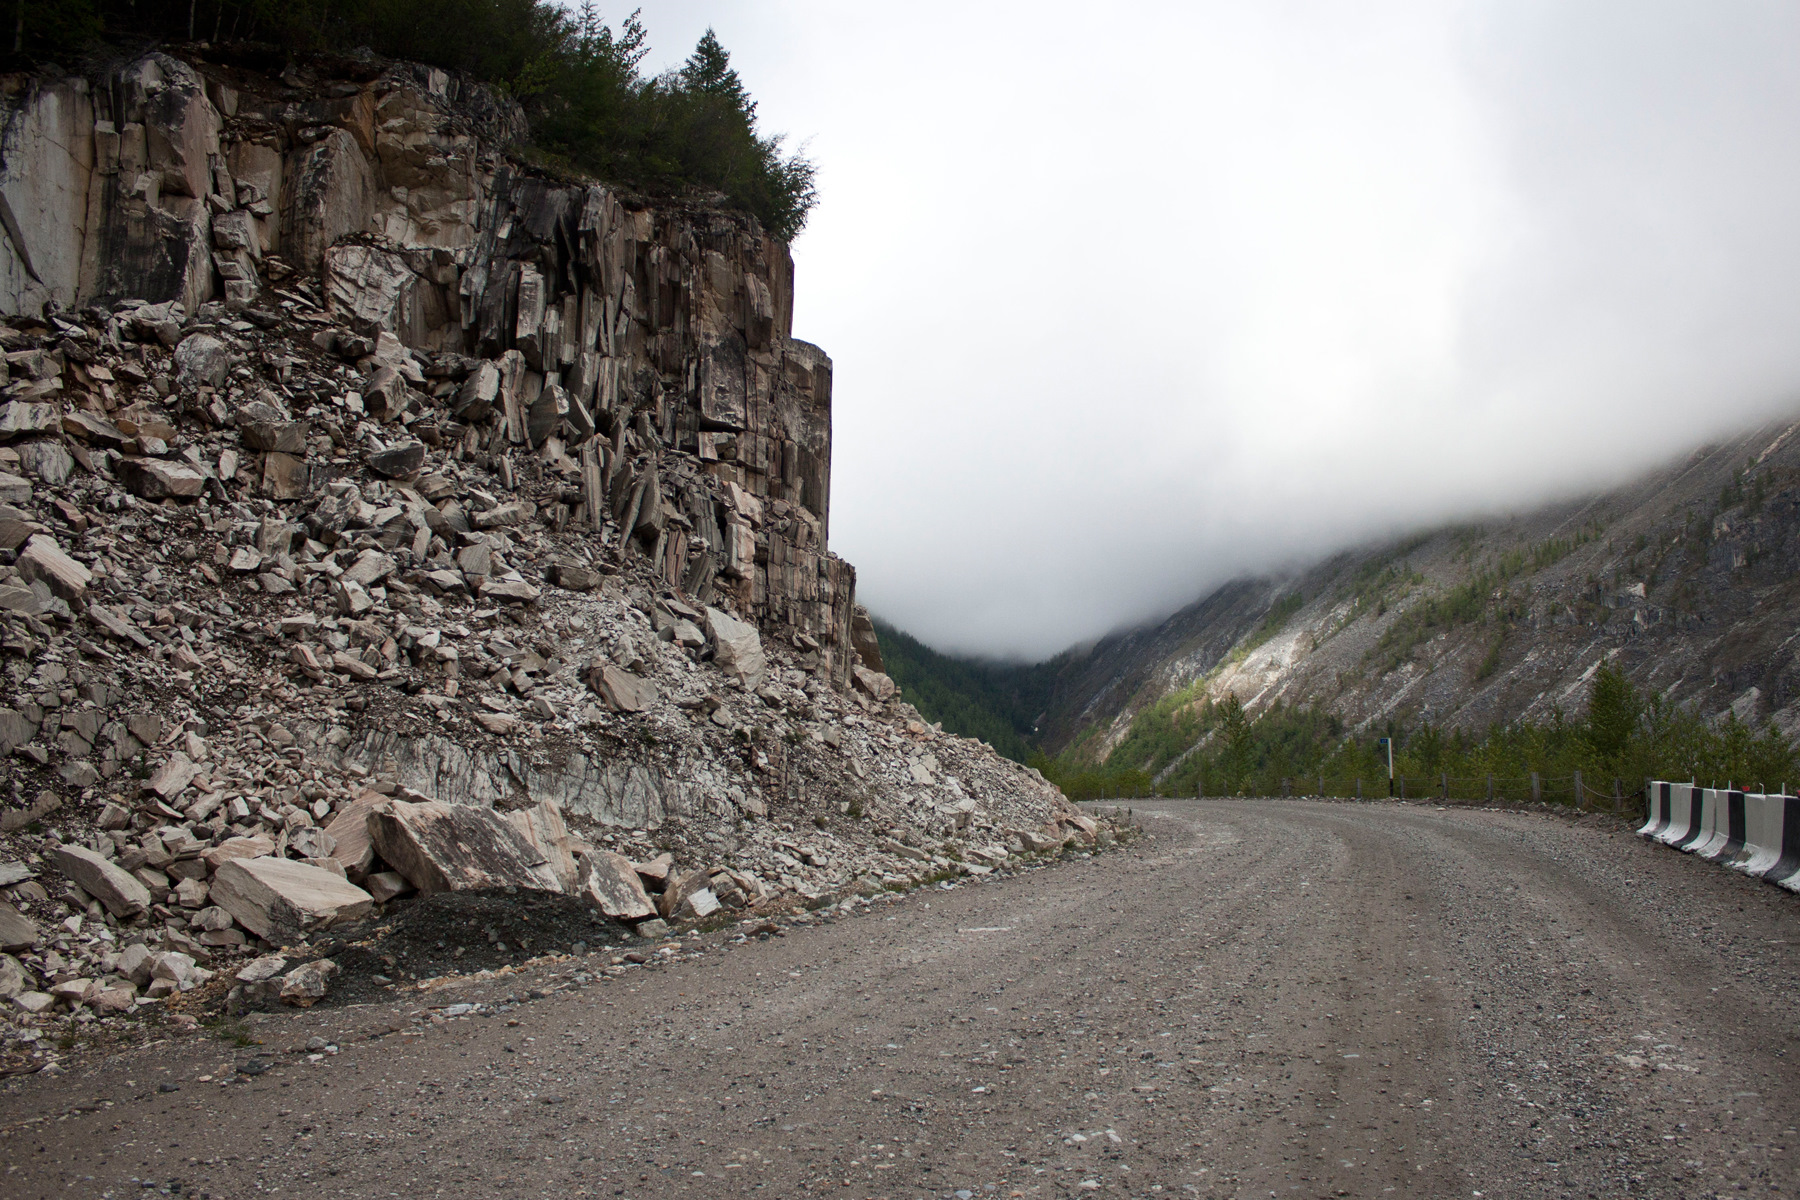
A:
[17,931]
[370,568]
[1036,841]
[94,428]
[262,969]
[696,905]
[680,888]
[385,885]
[610,882]
[575,578]
[174,775]
[455,847]
[307,984]
[179,969]
[515,590]
[18,417]
[13,980]
[285,476]
[864,641]
[543,827]
[283,437]
[624,691]
[872,683]
[122,895]
[349,831]
[117,626]
[155,479]
[201,360]
[655,873]
[737,647]
[237,847]
[400,461]
[48,461]
[44,560]
[278,899]
[311,842]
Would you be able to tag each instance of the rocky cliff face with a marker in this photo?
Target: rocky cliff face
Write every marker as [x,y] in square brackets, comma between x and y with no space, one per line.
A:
[348,472]
[665,331]
[1684,579]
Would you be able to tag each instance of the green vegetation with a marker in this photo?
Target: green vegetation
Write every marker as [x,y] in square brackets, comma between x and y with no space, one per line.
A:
[1621,735]
[996,702]
[577,77]
[1481,598]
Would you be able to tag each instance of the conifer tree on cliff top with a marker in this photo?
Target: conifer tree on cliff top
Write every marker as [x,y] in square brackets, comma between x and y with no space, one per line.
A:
[578,78]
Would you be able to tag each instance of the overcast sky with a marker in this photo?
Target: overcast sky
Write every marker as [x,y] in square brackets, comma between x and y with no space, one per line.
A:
[1128,299]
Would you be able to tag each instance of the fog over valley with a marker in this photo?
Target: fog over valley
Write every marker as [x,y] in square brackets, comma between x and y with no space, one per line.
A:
[1124,305]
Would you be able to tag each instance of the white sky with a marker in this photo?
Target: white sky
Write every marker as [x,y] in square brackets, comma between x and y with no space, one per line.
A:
[1128,299]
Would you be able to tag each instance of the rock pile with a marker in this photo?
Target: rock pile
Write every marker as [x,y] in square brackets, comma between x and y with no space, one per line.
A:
[482,547]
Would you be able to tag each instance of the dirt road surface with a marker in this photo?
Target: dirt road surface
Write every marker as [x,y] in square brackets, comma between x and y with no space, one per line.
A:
[1263,999]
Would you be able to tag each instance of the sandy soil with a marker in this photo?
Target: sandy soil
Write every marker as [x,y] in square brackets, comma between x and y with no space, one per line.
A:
[1264,999]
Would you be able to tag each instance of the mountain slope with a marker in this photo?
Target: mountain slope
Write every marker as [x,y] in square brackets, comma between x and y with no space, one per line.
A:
[1683,579]
[996,702]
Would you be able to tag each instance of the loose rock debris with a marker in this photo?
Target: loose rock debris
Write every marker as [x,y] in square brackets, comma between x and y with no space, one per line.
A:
[472,556]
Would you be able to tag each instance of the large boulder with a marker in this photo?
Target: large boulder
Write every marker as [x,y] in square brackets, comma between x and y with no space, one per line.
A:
[864,641]
[349,829]
[43,559]
[155,479]
[201,360]
[622,690]
[737,647]
[279,899]
[873,684]
[543,827]
[457,847]
[611,882]
[102,879]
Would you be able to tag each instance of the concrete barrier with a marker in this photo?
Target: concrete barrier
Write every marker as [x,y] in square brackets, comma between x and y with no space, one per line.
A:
[1724,837]
[1765,821]
[1658,805]
[1747,831]
[1684,815]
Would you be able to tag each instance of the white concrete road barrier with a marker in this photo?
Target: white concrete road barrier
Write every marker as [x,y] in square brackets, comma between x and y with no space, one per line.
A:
[1748,831]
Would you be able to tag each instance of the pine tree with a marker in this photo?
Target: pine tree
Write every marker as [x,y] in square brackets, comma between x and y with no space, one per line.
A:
[708,71]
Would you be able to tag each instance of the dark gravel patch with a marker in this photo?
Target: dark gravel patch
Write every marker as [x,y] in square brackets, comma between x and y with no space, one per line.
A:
[456,933]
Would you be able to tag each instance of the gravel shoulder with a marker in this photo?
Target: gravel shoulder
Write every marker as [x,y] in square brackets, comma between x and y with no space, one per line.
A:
[1262,998]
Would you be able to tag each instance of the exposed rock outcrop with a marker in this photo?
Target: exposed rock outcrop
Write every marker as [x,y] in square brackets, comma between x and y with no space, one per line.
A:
[648,349]
[377,518]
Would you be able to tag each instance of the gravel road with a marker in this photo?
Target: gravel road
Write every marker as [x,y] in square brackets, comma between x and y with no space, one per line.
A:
[1262,999]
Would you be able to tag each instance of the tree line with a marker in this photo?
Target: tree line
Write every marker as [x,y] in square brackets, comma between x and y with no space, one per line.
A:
[580,79]
[1197,744]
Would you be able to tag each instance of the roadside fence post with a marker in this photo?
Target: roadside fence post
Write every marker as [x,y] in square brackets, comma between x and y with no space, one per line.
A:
[1444,778]
[1537,789]
[1618,797]
[1359,787]
[1403,787]
[1579,798]
[1490,789]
